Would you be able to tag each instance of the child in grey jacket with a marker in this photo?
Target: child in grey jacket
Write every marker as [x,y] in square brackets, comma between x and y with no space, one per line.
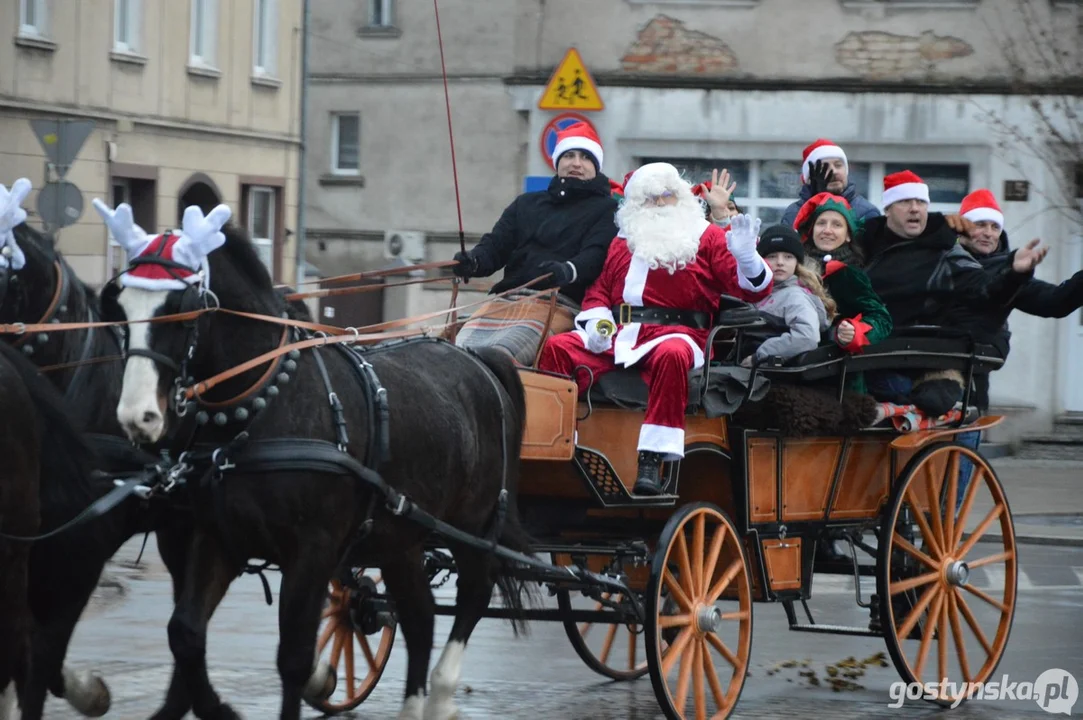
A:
[797,299]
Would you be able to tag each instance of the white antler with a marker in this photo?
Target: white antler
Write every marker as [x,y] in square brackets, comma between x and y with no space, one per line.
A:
[131,237]
[12,215]
[200,236]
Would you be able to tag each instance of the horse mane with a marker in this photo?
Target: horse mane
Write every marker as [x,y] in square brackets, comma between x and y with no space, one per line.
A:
[241,257]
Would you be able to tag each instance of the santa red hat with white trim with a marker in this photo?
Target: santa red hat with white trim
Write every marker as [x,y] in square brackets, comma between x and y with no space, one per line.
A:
[903,185]
[579,136]
[981,205]
[821,149]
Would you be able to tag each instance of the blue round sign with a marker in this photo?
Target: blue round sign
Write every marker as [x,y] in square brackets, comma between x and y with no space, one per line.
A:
[554,126]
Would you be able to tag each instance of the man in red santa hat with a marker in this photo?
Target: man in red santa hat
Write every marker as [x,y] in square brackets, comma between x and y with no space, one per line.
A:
[660,287]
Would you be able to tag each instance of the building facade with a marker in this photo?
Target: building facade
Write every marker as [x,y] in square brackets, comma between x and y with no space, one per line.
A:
[967,93]
[176,103]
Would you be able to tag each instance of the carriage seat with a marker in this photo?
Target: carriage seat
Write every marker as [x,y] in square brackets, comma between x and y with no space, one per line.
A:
[726,388]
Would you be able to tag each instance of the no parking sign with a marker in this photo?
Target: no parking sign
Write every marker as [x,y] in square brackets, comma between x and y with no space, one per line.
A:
[549,133]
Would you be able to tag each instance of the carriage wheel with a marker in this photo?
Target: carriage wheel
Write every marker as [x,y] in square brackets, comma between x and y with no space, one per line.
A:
[613,650]
[700,651]
[927,552]
[355,641]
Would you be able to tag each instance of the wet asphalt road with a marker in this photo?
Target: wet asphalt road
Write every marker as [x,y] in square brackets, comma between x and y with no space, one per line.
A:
[539,676]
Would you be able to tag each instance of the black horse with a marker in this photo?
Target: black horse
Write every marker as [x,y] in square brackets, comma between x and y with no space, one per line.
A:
[45,473]
[453,433]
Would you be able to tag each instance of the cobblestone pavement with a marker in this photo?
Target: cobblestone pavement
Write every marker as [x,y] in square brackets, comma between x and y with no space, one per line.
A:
[540,676]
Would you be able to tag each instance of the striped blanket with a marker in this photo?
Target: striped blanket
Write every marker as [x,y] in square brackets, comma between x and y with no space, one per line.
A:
[516,327]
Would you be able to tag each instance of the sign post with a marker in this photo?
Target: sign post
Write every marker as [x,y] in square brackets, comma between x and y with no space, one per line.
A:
[60,203]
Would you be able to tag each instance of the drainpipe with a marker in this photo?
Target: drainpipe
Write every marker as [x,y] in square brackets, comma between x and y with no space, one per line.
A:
[301,183]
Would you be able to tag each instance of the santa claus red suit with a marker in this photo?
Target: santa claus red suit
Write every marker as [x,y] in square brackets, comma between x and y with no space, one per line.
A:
[660,286]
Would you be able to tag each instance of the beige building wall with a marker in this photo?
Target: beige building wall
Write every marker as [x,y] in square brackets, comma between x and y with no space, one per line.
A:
[160,115]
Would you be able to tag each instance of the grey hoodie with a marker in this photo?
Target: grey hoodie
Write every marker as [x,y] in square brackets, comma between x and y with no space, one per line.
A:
[801,311]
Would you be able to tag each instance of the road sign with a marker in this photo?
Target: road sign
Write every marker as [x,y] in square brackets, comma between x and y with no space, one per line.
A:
[62,140]
[571,87]
[60,204]
[548,139]
[536,183]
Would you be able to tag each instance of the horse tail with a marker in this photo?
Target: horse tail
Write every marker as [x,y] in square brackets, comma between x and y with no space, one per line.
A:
[512,535]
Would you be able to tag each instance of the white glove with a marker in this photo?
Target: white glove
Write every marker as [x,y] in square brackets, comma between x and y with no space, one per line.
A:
[596,342]
[741,241]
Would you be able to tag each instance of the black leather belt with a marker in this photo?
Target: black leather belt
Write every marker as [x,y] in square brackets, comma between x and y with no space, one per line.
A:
[626,314]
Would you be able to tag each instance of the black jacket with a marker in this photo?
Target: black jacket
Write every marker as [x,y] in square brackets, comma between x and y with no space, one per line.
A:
[925,281]
[572,220]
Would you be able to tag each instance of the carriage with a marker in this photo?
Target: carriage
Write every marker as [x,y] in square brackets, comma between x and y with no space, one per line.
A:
[671,579]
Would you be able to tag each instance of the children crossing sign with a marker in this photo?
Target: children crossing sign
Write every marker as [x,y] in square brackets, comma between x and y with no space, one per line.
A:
[571,87]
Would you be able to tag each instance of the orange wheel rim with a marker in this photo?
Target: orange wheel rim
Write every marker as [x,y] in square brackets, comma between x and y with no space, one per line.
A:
[936,598]
[620,649]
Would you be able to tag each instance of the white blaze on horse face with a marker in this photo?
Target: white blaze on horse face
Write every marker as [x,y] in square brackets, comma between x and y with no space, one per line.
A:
[140,408]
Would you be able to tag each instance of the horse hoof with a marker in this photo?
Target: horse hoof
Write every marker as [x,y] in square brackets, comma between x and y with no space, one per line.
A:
[89,695]
[321,685]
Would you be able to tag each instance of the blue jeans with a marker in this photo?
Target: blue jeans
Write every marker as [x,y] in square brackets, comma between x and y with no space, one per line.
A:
[966,468]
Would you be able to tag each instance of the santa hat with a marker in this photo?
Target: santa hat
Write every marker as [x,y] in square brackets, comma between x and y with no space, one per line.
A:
[820,150]
[981,205]
[188,248]
[904,185]
[820,203]
[12,215]
[579,136]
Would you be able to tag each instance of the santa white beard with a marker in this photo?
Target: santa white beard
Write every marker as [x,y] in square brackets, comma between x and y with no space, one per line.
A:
[665,236]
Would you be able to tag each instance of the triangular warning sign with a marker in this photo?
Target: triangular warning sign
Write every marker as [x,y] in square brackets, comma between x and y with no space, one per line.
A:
[571,87]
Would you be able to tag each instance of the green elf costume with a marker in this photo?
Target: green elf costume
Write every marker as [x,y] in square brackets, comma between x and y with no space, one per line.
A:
[844,279]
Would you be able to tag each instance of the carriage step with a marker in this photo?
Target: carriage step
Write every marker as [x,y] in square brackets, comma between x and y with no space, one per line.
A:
[835,629]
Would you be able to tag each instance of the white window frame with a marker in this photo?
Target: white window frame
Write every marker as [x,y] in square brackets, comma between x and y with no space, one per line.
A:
[264,37]
[36,26]
[203,37]
[336,119]
[263,243]
[381,13]
[129,11]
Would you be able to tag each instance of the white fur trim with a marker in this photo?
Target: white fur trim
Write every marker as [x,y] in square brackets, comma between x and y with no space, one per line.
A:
[906,191]
[162,284]
[979,214]
[578,143]
[586,320]
[746,282]
[661,439]
[635,282]
[822,153]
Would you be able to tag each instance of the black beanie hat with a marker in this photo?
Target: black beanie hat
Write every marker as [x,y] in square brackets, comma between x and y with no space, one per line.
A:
[780,238]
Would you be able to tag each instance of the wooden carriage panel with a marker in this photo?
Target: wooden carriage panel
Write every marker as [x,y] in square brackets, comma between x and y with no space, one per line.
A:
[808,471]
[865,480]
[551,480]
[783,561]
[762,479]
[550,417]
[929,478]
[728,556]
[708,477]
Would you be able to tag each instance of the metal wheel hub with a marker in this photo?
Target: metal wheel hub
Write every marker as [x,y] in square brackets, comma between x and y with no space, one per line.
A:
[708,619]
[957,573]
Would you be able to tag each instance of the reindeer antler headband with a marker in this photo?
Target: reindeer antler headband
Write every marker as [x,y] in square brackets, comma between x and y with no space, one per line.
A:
[11,215]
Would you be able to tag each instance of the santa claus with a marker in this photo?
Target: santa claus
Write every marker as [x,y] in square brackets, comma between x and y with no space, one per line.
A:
[660,287]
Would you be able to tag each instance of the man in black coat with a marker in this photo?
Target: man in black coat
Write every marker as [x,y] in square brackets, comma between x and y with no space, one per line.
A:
[925,277]
[564,230]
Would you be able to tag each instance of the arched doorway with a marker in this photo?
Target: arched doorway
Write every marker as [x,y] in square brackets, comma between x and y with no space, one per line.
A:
[197,190]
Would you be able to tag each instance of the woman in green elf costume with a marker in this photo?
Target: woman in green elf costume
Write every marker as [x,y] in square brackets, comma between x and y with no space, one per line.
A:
[827,227]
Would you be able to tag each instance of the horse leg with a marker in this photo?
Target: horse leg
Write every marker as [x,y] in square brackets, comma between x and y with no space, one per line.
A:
[301,596]
[173,544]
[408,584]
[207,578]
[14,630]
[475,590]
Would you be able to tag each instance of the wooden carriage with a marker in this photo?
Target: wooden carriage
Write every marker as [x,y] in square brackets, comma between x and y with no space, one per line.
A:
[740,522]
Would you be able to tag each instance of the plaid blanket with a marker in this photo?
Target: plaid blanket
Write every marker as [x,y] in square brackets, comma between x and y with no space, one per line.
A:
[907,418]
[514,323]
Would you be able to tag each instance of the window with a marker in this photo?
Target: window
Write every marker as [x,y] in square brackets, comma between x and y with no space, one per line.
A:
[380,13]
[32,17]
[126,25]
[261,223]
[204,33]
[264,36]
[765,188]
[346,144]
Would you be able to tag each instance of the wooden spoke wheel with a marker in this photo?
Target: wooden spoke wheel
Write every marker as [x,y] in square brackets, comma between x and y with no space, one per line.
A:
[614,650]
[933,559]
[356,639]
[698,646]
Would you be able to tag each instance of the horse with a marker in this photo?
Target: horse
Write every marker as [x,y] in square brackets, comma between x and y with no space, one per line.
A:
[45,472]
[454,426]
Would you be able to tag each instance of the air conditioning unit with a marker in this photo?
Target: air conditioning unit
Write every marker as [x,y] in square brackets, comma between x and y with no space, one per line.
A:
[408,245]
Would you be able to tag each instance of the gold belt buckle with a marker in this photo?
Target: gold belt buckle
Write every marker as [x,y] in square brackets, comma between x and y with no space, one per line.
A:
[625,314]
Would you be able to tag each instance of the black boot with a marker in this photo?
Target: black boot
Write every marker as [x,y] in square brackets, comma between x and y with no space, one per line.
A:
[648,479]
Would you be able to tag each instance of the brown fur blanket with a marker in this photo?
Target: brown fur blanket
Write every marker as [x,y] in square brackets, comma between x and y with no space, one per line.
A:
[808,411]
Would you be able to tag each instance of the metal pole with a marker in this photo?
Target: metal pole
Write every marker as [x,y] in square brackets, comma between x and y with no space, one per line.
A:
[301,260]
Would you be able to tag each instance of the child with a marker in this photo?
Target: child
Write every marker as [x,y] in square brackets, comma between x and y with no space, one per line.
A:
[797,298]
